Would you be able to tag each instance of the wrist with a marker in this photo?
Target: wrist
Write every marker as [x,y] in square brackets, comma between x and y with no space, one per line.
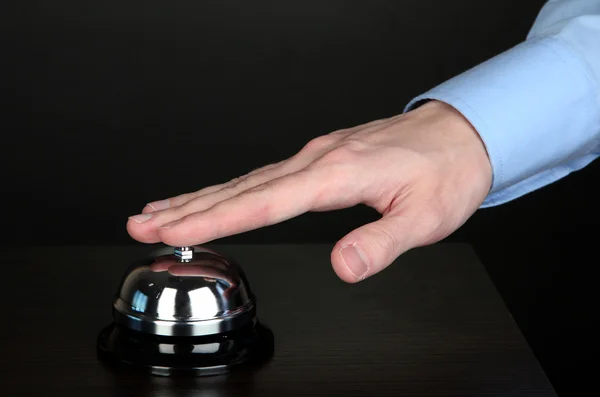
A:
[460,146]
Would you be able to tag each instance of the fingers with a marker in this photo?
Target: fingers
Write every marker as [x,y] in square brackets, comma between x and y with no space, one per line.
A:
[311,150]
[371,248]
[184,198]
[264,205]
[180,200]
[144,227]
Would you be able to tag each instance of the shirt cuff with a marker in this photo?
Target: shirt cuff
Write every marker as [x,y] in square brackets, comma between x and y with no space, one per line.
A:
[536,109]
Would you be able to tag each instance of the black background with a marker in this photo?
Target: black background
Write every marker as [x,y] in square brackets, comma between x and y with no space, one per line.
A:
[109,105]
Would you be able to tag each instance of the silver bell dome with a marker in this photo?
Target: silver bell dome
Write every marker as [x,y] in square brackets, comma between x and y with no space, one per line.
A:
[186,291]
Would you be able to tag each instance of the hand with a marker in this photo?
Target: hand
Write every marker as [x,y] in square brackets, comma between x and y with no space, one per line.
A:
[426,172]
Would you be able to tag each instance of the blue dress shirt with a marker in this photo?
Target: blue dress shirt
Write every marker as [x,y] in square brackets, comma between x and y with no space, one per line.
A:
[537,105]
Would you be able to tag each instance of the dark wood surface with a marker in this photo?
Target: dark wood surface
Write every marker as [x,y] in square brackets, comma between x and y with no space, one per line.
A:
[430,325]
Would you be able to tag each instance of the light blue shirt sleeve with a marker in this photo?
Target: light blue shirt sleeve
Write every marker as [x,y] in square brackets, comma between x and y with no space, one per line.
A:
[536,106]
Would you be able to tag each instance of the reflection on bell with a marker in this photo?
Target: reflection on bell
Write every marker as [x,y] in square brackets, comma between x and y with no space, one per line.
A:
[186,310]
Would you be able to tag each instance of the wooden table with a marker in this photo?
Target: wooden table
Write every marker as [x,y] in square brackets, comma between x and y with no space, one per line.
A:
[430,325]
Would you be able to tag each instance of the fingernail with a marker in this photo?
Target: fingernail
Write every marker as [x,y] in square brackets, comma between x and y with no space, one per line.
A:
[141,218]
[159,205]
[355,261]
[170,224]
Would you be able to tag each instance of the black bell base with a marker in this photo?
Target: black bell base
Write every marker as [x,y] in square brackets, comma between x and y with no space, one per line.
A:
[211,355]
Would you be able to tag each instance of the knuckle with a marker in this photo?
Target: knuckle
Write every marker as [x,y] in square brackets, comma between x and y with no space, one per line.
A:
[237,183]
[354,145]
[319,143]
[384,240]
[339,155]
[348,152]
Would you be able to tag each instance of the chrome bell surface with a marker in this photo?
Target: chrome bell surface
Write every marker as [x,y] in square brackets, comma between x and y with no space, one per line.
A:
[184,291]
[184,310]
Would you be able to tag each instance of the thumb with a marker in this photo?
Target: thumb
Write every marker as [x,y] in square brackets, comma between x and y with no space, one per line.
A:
[371,248]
